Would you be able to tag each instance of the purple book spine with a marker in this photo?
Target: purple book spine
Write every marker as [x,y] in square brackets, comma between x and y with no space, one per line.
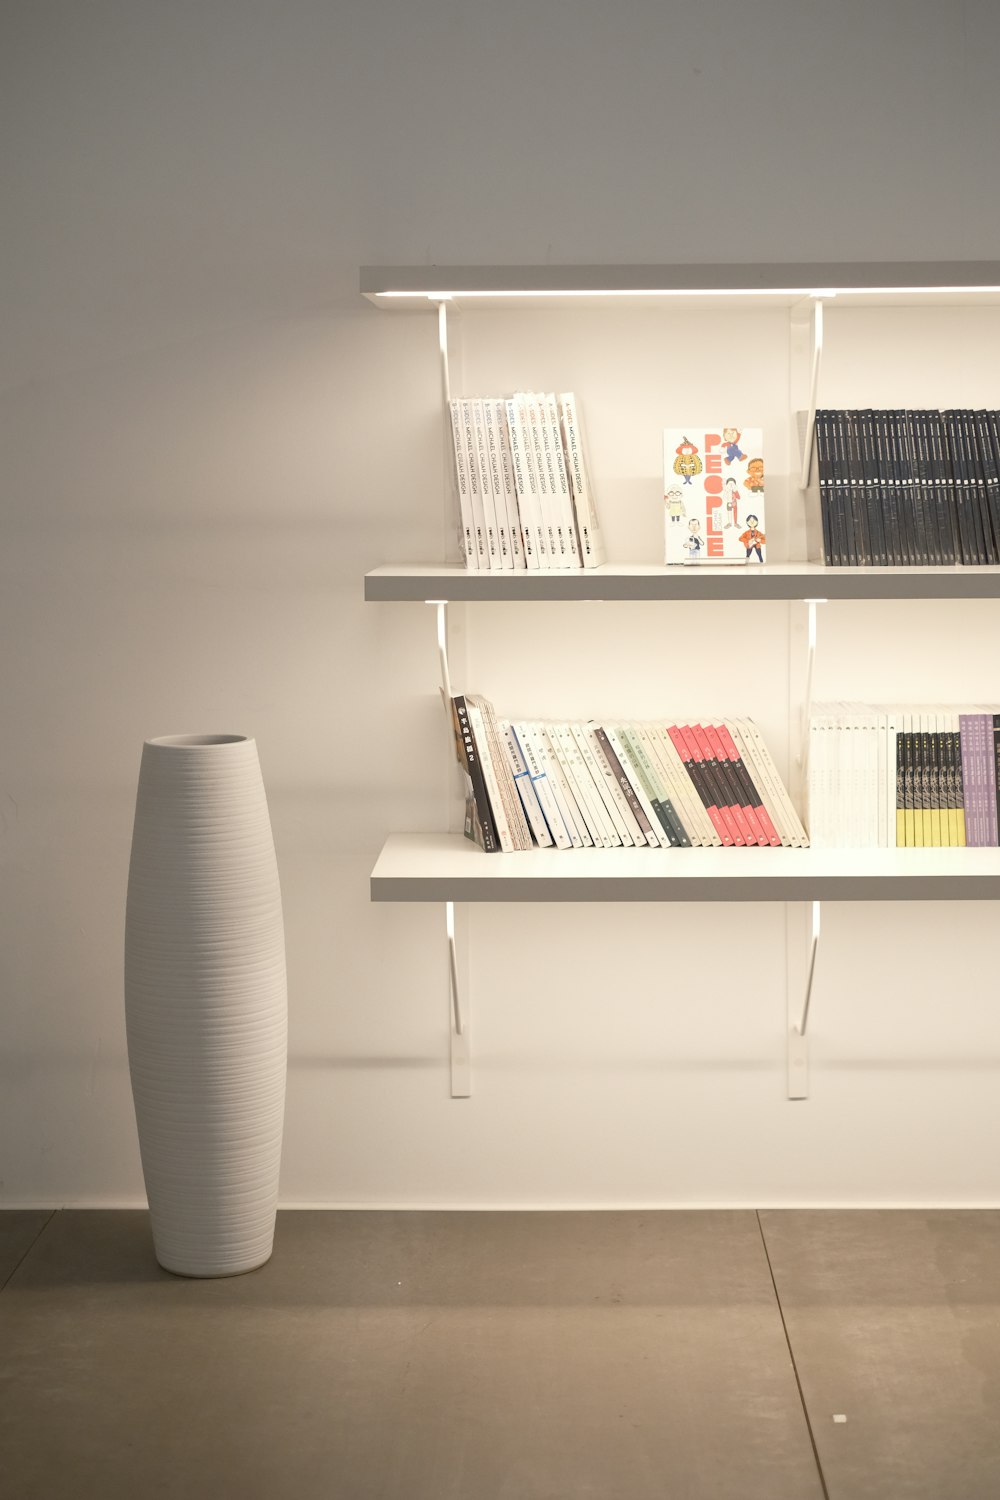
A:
[993,739]
[971,779]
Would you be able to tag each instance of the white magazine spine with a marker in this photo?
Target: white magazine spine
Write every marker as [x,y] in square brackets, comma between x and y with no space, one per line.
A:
[540,781]
[559,476]
[468,519]
[587,798]
[764,774]
[636,835]
[617,824]
[496,482]
[497,803]
[517,822]
[763,756]
[475,485]
[814,805]
[656,838]
[669,756]
[891,785]
[546,499]
[518,561]
[575,826]
[881,800]
[536,549]
[669,787]
[591,536]
[642,749]
[486,486]
[525,788]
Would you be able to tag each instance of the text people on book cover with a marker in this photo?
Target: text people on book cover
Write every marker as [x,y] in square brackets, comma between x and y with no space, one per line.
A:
[713,494]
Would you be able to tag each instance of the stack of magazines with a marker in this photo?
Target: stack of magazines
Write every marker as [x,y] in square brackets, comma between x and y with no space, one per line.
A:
[903,777]
[618,785]
[524,494]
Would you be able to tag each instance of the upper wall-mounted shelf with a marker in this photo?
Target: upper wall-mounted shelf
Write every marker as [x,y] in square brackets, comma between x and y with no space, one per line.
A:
[800,580]
[852,283]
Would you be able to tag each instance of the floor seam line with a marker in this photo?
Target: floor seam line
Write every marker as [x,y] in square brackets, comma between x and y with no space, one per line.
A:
[791,1356]
[42,1228]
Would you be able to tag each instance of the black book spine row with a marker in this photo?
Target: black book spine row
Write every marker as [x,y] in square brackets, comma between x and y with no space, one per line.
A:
[910,488]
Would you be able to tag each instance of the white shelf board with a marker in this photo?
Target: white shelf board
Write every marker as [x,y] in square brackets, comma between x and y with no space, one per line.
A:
[798,580]
[872,283]
[448,867]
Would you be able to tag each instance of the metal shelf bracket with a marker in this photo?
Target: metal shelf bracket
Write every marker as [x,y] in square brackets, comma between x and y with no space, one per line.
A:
[803,754]
[798,1051]
[816,319]
[461,1061]
[444,665]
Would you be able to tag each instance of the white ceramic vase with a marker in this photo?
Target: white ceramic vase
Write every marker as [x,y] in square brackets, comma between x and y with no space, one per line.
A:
[206,1003]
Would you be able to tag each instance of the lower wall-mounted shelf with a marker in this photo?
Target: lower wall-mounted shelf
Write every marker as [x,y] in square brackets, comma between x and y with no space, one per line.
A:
[448,867]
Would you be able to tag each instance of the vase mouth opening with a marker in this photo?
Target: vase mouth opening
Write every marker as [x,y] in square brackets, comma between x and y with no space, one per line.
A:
[197,741]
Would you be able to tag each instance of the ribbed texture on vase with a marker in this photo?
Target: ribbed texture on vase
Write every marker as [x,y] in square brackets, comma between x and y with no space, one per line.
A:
[206,1003]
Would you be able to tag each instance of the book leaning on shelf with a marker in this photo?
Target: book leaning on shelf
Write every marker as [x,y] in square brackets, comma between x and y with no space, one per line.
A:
[886,776]
[572,785]
[713,494]
[522,481]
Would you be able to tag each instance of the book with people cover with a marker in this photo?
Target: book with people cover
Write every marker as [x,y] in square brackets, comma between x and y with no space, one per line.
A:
[713,495]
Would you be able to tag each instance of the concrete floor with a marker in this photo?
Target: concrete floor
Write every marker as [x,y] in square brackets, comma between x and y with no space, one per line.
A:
[494,1356]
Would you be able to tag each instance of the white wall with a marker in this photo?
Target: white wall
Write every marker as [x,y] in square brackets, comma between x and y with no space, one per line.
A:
[205,435]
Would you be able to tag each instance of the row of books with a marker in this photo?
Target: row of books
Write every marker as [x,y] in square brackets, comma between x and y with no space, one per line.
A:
[611,785]
[909,487]
[524,493]
[904,777]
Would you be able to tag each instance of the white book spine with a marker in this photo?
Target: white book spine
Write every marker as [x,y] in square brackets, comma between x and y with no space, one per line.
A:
[756,755]
[469,550]
[540,781]
[526,485]
[620,832]
[475,486]
[891,786]
[496,483]
[854,805]
[520,831]
[661,790]
[546,500]
[579,778]
[782,798]
[525,788]
[591,536]
[876,783]
[578,804]
[818,811]
[656,838]
[636,835]
[486,486]
[494,793]
[563,794]
[555,458]
[826,745]
[669,755]
[518,562]
[672,788]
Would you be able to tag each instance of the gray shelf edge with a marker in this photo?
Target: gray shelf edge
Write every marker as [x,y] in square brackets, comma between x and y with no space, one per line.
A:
[832,584]
[679,888]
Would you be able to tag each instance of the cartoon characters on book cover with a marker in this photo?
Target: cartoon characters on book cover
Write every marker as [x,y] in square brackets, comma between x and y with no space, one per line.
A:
[713,494]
